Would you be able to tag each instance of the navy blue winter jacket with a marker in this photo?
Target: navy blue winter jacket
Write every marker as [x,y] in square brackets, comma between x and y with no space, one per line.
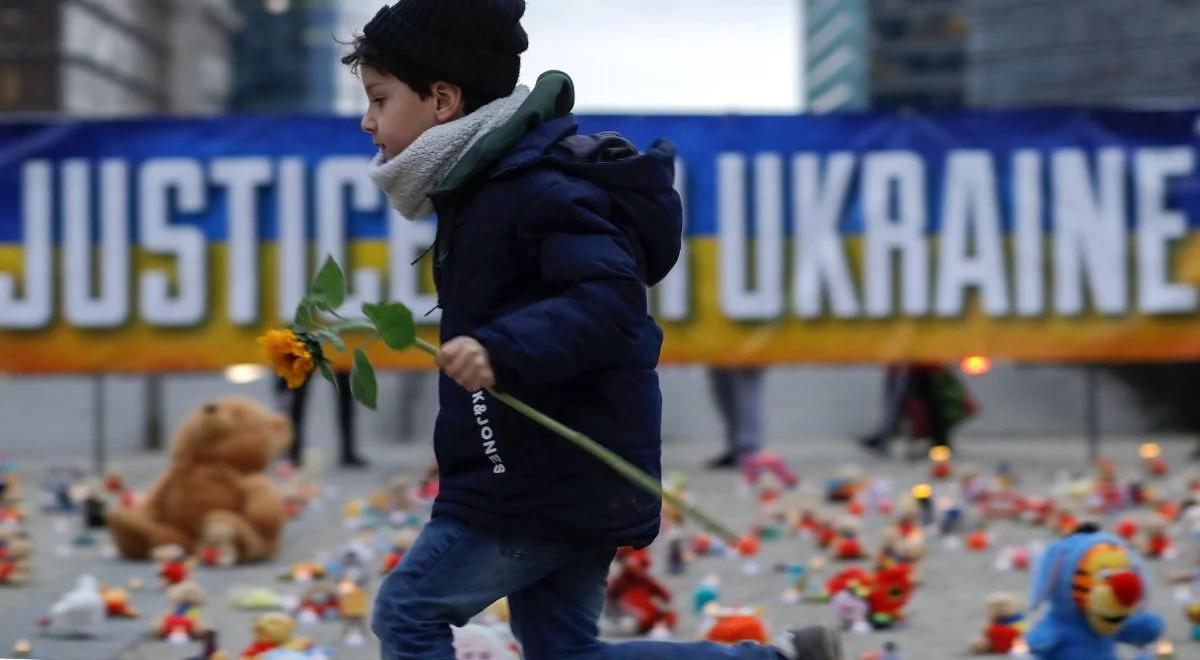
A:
[546,242]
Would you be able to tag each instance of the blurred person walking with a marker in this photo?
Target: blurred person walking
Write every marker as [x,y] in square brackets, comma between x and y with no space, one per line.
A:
[929,396]
[293,403]
[738,394]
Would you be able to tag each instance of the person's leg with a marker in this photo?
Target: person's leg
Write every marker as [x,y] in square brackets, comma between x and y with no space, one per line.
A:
[935,415]
[349,455]
[720,381]
[449,575]
[748,404]
[296,451]
[556,618]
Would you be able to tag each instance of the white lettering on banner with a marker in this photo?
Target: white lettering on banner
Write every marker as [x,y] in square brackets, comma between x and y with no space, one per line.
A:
[187,305]
[334,175]
[407,239]
[1156,227]
[970,213]
[1030,232]
[33,307]
[1089,231]
[293,237]
[740,298]
[110,307]
[820,259]
[895,223]
[242,177]
[673,292]
[1084,202]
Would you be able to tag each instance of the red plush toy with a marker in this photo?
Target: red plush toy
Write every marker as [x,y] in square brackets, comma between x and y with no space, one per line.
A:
[886,591]
[636,592]
[847,546]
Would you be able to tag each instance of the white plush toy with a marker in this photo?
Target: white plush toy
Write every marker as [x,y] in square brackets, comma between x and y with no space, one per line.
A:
[477,642]
[78,613]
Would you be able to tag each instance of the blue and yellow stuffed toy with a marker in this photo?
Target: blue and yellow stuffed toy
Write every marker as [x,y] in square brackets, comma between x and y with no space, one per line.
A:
[1094,585]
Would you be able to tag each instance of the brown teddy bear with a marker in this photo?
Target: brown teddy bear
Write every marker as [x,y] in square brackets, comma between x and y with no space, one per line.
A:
[216,477]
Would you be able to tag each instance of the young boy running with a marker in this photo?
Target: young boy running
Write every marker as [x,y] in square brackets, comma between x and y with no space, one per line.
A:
[546,242]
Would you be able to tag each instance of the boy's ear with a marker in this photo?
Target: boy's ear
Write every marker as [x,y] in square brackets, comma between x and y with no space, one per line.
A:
[448,101]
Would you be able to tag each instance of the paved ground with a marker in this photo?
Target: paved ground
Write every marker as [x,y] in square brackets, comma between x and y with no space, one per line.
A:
[946,610]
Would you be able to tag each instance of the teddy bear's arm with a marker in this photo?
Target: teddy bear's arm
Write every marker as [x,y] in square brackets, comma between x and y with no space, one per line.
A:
[263,507]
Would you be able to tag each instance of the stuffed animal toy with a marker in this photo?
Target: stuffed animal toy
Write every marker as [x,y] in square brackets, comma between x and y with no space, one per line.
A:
[896,547]
[1193,616]
[173,564]
[274,630]
[636,593]
[1158,541]
[738,624]
[218,546]
[15,556]
[886,592]
[851,609]
[355,606]
[216,475]
[1005,625]
[844,484]
[303,572]
[256,598]
[78,613]
[847,546]
[479,642]
[184,620]
[319,602]
[769,463]
[1094,585]
[117,604]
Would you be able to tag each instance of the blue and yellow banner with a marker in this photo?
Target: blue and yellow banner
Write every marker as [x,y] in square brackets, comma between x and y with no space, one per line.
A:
[170,244]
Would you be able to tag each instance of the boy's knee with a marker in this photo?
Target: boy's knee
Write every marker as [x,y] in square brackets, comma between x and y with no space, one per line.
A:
[402,606]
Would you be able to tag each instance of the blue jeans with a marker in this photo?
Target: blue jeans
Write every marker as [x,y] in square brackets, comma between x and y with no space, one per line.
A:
[555,596]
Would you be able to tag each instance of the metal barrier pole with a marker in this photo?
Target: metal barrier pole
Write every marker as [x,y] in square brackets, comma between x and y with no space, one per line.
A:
[1091,411]
[152,433]
[99,436]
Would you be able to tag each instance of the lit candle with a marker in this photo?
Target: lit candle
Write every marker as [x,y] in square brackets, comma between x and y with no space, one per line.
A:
[1164,650]
[1152,458]
[1019,649]
[940,462]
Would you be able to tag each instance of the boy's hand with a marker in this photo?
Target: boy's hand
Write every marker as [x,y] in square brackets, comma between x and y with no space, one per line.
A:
[466,362]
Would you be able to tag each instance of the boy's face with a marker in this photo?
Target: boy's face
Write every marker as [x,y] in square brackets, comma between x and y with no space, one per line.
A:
[396,115]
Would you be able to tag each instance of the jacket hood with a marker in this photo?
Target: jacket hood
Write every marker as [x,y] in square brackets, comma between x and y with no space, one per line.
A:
[639,184]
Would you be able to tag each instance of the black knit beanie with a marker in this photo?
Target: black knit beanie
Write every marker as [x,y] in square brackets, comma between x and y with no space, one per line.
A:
[476,44]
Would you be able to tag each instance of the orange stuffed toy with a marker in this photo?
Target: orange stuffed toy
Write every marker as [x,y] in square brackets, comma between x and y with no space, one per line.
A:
[216,478]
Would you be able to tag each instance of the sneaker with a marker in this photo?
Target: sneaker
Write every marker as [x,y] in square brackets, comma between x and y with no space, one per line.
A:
[726,461]
[355,462]
[875,444]
[815,643]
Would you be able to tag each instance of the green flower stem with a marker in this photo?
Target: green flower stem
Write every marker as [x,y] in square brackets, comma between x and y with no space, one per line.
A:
[622,466]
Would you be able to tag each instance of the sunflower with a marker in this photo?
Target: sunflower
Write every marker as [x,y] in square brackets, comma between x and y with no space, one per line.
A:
[289,355]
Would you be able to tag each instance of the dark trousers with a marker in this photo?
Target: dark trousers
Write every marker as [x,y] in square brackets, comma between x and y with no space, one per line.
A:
[345,404]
